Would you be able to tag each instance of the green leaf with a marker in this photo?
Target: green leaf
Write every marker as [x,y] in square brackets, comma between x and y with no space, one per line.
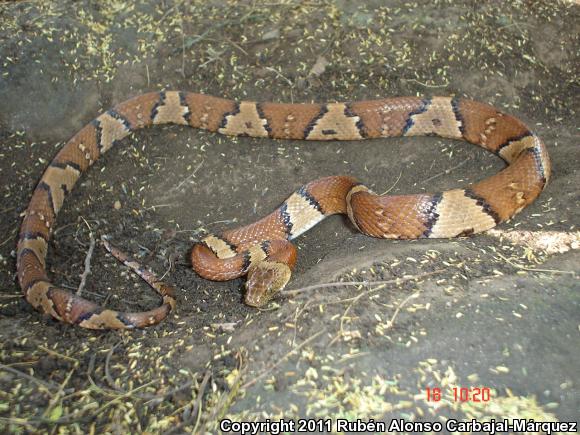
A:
[56,413]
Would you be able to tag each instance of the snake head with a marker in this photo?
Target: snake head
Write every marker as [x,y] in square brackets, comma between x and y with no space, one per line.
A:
[265,279]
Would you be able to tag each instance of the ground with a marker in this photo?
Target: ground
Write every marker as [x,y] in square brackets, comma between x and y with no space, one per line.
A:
[490,311]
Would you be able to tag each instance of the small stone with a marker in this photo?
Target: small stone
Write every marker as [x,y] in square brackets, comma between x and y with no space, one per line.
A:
[272,34]
[117,205]
[319,67]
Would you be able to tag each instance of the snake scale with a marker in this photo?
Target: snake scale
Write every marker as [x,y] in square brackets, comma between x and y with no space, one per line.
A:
[263,250]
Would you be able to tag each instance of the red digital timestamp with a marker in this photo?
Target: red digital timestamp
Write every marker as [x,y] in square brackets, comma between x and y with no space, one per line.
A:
[460,394]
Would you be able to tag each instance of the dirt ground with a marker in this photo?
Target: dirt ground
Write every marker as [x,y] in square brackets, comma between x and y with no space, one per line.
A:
[488,311]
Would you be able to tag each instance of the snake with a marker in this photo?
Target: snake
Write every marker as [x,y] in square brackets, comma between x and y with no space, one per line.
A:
[263,251]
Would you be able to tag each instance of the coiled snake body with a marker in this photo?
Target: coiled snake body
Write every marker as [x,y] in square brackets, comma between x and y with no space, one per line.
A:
[263,250]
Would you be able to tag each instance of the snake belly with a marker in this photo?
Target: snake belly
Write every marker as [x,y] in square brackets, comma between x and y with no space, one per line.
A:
[263,250]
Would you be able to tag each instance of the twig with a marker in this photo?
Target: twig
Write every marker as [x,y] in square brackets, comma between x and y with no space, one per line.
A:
[14,420]
[170,261]
[554,271]
[357,283]
[59,229]
[188,177]
[11,296]
[182,51]
[357,297]
[447,171]
[129,393]
[198,400]
[4,210]
[348,357]
[393,186]
[279,74]
[59,355]
[284,358]
[88,257]
[299,312]
[10,237]
[401,305]
[236,45]
[57,396]
[158,398]
[153,207]
[533,269]
[197,407]
[343,317]
[425,84]
[225,401]
[108,376]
